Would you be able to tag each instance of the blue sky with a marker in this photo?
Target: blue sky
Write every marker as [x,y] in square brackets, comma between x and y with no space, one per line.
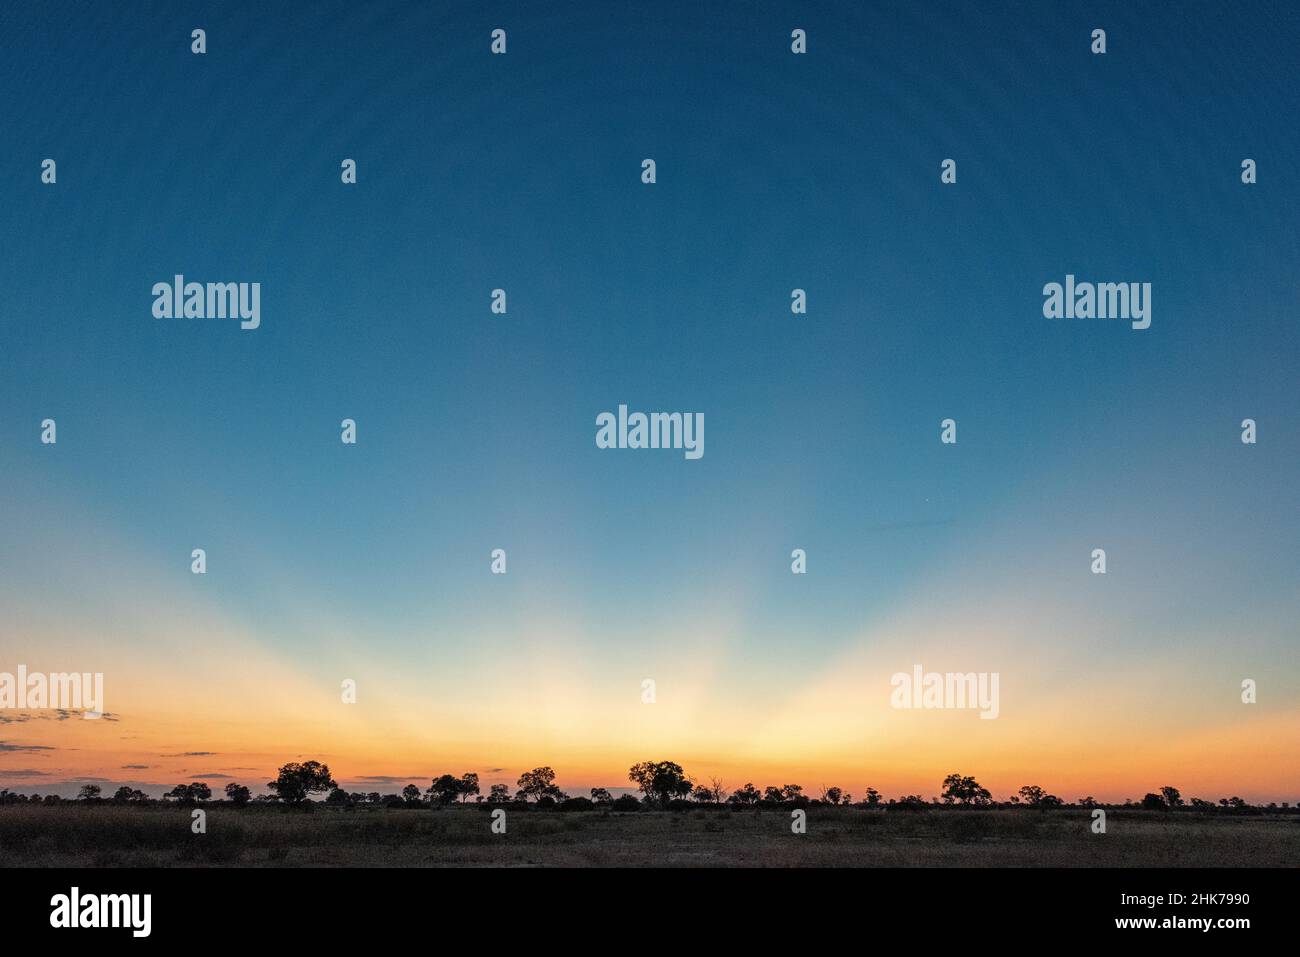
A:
[775,171]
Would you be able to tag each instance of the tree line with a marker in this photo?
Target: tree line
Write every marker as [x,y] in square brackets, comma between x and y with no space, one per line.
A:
[662,784]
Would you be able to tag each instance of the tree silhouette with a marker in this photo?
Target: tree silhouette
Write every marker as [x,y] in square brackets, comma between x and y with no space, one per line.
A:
[660,780]
[965,790]
[239,795]
[1032,794]
[746,795]
[444,789]
[537,783]
[719,792]
[190,793]
[298,781]
[468,784]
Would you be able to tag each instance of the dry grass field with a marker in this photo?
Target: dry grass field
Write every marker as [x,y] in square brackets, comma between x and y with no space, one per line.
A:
[111,836]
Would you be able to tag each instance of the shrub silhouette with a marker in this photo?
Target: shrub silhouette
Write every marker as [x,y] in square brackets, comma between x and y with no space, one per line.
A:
[909,802]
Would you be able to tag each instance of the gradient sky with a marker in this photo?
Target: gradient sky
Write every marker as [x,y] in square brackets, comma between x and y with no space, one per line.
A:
[476,431]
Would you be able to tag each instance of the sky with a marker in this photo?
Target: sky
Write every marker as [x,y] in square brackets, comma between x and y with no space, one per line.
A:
[476,431]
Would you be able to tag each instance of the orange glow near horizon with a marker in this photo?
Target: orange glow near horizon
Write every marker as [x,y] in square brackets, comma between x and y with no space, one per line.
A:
[896,752]
[196,693]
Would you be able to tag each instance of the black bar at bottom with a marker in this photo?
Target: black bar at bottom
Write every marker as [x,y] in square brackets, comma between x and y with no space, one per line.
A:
[583,905]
